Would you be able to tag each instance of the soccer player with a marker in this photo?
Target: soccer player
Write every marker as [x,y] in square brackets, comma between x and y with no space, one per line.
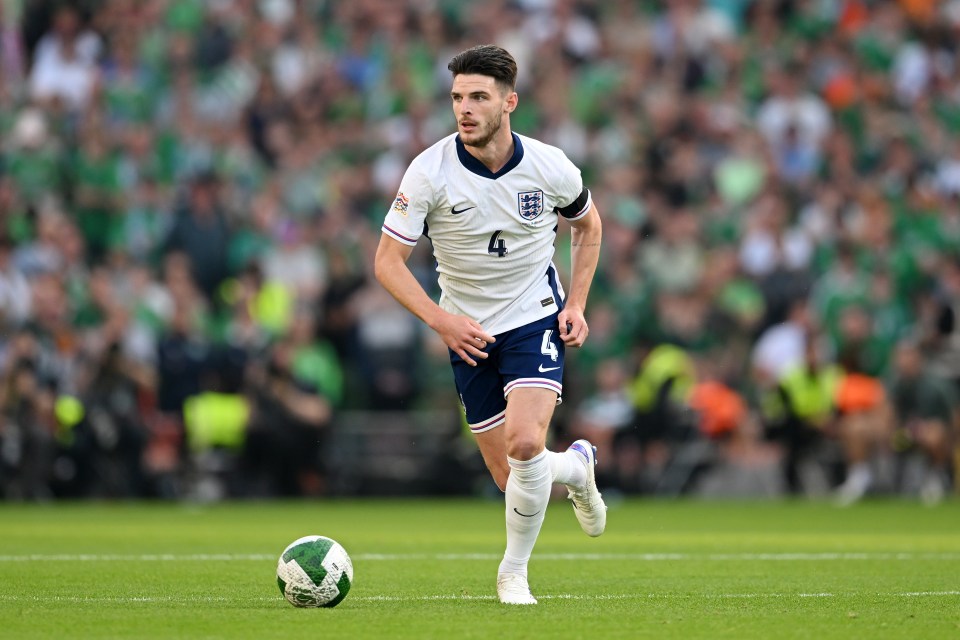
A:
[490,202]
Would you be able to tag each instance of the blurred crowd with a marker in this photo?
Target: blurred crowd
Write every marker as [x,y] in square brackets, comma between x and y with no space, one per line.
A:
[191,191]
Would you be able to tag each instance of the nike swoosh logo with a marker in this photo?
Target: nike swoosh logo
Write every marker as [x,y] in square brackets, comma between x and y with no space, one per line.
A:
[542,370]
[456,211]
[523,514]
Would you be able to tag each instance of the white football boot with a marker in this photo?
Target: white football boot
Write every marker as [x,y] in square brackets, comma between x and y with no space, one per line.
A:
[588,504]
[512,588]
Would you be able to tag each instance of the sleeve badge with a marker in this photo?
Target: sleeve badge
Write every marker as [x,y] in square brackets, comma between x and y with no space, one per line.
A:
[401,203]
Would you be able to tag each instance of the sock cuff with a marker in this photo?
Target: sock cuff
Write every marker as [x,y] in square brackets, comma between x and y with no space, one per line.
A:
[530,473]
[520,465]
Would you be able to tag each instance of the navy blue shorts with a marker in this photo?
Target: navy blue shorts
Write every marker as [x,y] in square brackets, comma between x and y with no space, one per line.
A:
[528,356]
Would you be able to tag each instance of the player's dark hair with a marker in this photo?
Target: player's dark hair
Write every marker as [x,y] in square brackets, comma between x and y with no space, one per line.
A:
[486,60]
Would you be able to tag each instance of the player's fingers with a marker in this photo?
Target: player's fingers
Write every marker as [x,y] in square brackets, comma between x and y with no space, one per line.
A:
[576,336]
[463,356]
[483,336]
[476,351]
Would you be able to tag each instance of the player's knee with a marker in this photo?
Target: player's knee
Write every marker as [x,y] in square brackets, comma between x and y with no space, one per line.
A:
[524,447]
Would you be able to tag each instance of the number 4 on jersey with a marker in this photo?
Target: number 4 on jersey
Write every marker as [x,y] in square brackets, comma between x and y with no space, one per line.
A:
[497,245]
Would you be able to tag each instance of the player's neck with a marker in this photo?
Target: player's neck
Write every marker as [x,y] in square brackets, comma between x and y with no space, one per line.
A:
[496,153]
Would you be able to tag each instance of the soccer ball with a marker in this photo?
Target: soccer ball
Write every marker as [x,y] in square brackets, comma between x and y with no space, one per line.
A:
[314,571]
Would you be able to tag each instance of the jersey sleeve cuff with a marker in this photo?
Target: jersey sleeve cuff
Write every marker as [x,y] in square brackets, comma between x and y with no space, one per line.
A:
[399,237]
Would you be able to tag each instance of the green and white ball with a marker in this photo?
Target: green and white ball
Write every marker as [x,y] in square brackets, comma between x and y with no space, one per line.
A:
[314,571]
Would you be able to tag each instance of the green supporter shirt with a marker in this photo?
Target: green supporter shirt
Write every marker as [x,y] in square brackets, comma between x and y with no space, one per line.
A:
[318,366]
[185,15]
[873,53]
[130,102]
[100,177]
[925,397]
[246,245]
[742,299]
[35,172]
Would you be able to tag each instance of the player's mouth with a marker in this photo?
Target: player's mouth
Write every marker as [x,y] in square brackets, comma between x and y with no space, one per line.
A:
[466,126]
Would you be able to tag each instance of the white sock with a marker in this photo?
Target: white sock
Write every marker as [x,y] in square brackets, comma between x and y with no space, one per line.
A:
[567,467]
[860,472]
[860,475]
[527,495]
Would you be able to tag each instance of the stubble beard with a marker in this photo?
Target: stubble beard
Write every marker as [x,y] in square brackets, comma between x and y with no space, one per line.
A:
[489,134]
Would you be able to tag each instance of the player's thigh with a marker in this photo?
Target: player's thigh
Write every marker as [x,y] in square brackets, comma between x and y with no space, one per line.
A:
[480,389]
[528,415]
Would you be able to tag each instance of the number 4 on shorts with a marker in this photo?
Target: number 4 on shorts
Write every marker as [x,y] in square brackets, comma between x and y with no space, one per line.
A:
[547,347]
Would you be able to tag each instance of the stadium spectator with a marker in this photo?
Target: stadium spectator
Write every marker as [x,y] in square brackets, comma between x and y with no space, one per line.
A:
[940,324]
[799,413]
[14,288]
[285,445]
[864,425]
[926,411]
[33,158]
[64,73]
[200,232]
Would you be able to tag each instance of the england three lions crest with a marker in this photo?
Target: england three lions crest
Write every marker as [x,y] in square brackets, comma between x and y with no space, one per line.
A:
[530,204]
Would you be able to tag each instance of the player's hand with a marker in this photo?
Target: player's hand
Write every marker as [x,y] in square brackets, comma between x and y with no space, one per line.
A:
[573,327]
[464,336]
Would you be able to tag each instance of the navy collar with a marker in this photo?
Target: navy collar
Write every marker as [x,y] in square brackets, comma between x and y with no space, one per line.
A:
[481,169]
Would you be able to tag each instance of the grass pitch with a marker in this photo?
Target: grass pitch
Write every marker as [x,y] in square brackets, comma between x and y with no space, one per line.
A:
[426,569]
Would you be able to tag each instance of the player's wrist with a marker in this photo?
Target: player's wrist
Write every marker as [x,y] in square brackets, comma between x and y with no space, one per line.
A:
[434,318]
[574,307]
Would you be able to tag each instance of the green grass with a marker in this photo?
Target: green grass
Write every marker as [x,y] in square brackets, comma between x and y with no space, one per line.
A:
[426,569]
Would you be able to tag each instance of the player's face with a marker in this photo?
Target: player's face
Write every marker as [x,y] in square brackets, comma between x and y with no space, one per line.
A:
[479,104]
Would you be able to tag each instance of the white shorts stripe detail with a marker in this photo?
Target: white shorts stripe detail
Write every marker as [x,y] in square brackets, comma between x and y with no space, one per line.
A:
[489,423]
[541,383]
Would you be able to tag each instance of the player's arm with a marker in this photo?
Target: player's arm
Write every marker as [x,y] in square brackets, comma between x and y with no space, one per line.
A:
[585,236]
[464,336]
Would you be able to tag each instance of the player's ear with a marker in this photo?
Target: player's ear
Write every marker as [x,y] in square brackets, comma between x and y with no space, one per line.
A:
[512,100]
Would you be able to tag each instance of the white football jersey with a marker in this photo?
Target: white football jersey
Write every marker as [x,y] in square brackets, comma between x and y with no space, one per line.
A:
[493,234]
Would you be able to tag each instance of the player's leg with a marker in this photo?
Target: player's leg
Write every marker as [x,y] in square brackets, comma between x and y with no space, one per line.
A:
[863,434]
[855,439]
[528,415]
[572,468]
[534,358]
[933,437]
[481,393]
[566,467]
[493,448]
